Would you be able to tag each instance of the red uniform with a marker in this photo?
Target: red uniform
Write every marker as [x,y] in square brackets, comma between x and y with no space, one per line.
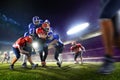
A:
[43,29]
[21,41]
[6,57]
[76,48]
[25,43]
[41,33]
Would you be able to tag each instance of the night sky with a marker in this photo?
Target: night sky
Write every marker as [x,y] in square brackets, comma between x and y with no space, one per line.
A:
[63,14]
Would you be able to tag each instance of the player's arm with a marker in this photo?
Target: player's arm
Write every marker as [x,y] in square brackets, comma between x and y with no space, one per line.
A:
[20,47]
[22,51]
[53,42]
[71,49]
[55,39]
[83,48]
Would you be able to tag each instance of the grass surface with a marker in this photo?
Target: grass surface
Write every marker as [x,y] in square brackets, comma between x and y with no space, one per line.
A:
[68,71]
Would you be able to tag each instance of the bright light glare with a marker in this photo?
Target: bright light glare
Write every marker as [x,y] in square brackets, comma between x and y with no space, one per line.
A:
[35,45]
[11,52]
[0,52]
[77,28]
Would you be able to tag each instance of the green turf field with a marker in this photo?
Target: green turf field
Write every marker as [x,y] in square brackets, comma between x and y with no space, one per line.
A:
[68,71]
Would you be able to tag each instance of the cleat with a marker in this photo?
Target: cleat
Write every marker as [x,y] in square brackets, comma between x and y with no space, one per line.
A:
[107,67]
[34,66]
[24,65]
[11,67]
[43,64]
[59,64]
[76,62]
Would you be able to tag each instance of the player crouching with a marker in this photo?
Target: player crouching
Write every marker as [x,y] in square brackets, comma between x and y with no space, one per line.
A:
[22,45]
[78,50]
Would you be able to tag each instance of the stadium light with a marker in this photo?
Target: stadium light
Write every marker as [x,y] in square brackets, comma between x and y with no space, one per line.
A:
[78,28]
[35,45]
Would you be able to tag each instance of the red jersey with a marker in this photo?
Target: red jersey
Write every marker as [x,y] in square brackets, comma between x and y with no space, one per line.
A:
[76,48]
[22,41]
[41,32]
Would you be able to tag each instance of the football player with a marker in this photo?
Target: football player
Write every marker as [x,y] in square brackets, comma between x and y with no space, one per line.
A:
[78,49]
[42,33]
[6,57]
[36,22]
[23,46]
[55,41]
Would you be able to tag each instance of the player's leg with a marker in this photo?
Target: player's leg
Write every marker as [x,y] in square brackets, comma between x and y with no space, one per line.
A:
[41,54]
[41,51]
[60,53]
[60,58]
[17,56]
[24,64]
[31,62]
[107,33]
[3,59]
[29,49]
[45,48]
[116,27]
[8,59]
[75,58]
[81,58]
[56,55]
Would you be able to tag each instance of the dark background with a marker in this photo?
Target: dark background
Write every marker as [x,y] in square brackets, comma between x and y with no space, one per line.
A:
[15,15]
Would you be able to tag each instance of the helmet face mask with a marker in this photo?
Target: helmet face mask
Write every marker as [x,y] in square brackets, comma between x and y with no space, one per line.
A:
[36,20]
[46,27]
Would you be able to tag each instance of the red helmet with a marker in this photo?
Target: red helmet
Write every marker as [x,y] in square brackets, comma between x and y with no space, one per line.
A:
[45,25]
[28,39]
